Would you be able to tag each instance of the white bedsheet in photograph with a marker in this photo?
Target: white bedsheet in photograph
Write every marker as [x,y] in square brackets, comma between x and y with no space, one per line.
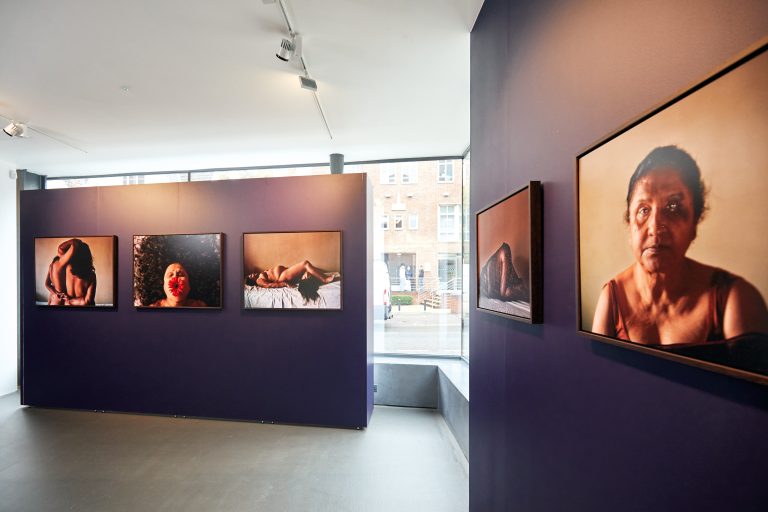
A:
[288,297]
[512,307]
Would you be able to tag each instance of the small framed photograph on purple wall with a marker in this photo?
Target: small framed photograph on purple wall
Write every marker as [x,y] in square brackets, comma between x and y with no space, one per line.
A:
[671,227]
[292,270]
[77,271]
[177,271]
[509,243]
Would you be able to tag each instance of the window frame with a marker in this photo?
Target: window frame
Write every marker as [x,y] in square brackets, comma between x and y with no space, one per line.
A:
[445,165]
[387,174]
[411,170]
[455,234]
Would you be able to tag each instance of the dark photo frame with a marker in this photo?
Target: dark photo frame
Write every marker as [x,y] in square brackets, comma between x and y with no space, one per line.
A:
[508,256]
[293,270]
[76,271]
[670,229]
[178,271]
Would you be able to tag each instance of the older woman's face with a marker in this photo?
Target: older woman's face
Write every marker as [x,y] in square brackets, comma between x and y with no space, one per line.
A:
[176,282]
[661,221]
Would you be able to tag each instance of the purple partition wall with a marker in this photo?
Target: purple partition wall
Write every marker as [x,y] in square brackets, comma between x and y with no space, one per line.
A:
[557,421]
[308,367]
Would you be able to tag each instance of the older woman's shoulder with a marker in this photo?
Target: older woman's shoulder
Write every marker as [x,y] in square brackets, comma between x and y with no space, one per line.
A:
[702,273]
[625,277]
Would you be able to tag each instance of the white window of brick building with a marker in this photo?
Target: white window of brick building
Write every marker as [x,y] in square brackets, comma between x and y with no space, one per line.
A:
[445,171]
[388,174]
[409,173]
[449,223]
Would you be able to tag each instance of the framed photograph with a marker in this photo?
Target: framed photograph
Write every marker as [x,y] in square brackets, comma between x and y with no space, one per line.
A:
[177,271]
[671,227]
[292,270]
[509,244]
[76,271]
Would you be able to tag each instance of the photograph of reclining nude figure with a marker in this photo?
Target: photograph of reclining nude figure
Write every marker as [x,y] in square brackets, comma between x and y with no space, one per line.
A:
[292,270]
[75,271]
[509,256]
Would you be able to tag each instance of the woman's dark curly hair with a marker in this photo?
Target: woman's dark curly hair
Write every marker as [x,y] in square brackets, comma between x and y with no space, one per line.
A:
[82,260]
[308,288]
[199,254]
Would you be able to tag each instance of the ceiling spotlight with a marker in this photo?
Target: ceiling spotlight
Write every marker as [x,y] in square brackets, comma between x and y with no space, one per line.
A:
[308,83]
[15,129]
[286,50]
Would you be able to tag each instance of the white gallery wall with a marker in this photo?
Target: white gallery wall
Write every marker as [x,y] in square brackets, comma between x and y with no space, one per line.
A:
[8,300]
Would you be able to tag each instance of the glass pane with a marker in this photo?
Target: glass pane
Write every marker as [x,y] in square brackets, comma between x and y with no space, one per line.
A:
[418,271]
[466,221]
[273,172]
[108,181]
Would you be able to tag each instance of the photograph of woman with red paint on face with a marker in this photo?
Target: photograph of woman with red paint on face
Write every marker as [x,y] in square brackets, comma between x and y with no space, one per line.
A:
[672,255]
[177,271]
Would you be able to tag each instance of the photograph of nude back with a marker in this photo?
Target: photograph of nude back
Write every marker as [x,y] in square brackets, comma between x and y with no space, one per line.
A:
[672,223]
[292,270]
[77,271]
[509,256]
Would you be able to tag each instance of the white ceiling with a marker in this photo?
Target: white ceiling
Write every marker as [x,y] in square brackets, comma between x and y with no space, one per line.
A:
[204,88]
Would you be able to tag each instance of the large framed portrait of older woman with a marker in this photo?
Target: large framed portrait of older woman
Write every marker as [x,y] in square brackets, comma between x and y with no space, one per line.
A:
[671,229]
[509,243]
[177,271]
[292,270]
[76,271]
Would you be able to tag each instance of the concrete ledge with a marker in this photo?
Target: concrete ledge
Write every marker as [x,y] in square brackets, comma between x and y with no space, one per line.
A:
[405,385]
[433,383]
[454,408]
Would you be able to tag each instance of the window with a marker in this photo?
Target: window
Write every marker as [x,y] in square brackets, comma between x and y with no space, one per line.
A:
[465,173]
[107,181]
[448,268]
[409,173]
[398,221]
[413,221]
[449,223]
[352,169]
[385,222]
[265,172]
[388,174]
[445,171]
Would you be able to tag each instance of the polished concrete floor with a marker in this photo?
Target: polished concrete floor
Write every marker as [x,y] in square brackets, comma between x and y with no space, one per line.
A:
[53,460]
